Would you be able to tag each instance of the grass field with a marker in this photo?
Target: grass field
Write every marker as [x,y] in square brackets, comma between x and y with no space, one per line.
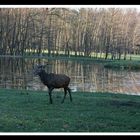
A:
[89,112]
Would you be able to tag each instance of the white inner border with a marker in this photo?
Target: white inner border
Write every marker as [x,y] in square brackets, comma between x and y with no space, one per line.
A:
[70,6]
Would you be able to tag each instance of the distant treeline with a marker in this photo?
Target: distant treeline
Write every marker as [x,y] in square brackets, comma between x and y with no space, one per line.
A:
[98,32]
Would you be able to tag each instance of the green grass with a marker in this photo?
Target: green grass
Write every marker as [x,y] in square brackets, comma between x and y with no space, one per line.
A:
[89,112]
[123,64]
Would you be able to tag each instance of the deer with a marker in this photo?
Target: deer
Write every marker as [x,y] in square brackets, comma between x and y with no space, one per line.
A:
[53,81]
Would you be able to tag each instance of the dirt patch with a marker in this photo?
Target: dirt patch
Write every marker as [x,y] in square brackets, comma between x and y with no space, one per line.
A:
[124,103]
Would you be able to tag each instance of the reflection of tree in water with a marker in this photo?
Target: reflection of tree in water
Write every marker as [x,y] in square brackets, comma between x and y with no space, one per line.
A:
[85,76]
[13,70]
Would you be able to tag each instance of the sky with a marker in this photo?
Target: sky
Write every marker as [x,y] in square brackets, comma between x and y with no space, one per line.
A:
[71,6]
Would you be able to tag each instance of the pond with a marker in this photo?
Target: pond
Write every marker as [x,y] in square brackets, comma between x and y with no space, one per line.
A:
[86,76]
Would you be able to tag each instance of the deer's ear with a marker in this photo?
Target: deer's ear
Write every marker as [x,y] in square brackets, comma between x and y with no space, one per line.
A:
[35,66]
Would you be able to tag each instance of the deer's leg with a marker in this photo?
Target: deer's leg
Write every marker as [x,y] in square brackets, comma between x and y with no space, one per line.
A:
[65,92]
[50,94]
[69,90]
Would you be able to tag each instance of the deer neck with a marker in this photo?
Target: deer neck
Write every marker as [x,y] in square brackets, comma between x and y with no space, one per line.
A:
[43,76]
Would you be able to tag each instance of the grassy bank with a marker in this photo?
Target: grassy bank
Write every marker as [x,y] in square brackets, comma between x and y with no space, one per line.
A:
[123,64]
[89,112]
[133,64]
[73,57]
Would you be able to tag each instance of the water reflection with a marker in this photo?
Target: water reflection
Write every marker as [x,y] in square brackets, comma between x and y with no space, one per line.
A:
[85,75]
